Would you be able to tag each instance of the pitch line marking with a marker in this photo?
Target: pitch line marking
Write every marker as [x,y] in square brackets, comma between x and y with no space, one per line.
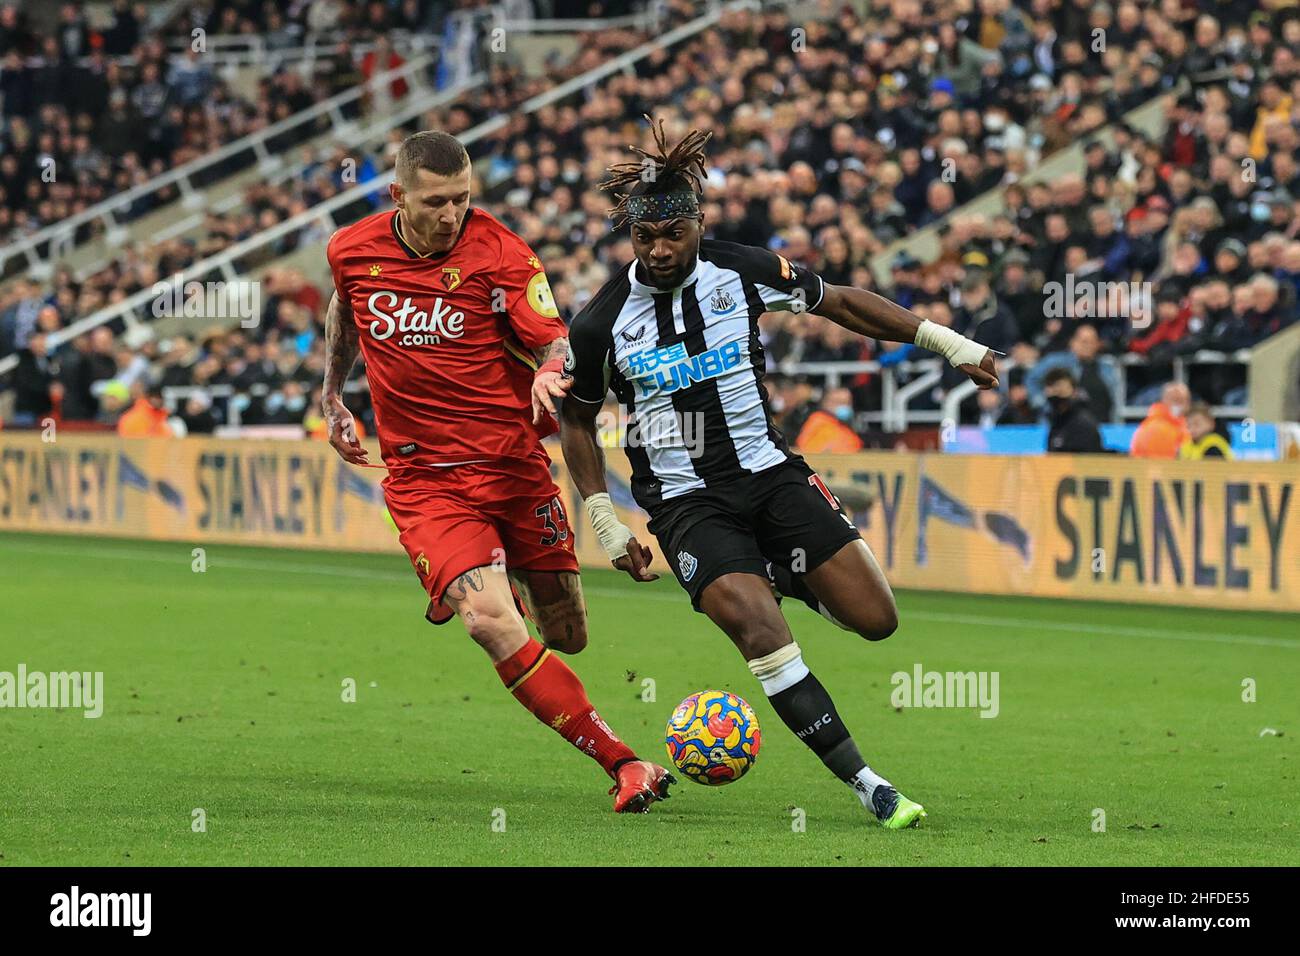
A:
[978,620]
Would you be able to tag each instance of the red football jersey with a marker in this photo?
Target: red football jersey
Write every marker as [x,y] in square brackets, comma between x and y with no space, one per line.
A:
[448,339]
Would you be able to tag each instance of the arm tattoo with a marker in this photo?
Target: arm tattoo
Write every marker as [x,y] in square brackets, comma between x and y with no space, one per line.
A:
[558,349]
[342,343]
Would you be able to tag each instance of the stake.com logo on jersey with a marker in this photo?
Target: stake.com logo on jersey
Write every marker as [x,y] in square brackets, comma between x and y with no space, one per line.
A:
[418,326]
[669,368]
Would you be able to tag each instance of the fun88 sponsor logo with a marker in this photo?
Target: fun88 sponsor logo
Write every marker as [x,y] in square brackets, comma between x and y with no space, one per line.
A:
[416,326]
[670,368]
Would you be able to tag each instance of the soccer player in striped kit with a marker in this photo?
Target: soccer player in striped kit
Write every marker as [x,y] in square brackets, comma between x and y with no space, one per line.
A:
[674,334]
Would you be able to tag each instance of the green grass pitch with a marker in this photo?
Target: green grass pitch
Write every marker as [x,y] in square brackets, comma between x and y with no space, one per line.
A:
[224,693]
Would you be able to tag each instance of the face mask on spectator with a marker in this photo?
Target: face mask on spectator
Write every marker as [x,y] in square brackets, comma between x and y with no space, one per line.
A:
[1259,211]
[844,413]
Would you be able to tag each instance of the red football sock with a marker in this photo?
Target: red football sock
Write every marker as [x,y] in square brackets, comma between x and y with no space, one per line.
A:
[553,693]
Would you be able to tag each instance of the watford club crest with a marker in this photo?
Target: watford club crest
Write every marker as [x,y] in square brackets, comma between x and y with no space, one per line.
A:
[375,271]
[450,279]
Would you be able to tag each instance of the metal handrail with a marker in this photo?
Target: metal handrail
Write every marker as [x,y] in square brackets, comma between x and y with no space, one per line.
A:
[926,380]
[232,51]
[61,235]
[895,398]
[650,16]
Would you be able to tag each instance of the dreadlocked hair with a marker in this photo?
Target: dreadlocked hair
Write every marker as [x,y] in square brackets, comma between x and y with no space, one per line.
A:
[682,167]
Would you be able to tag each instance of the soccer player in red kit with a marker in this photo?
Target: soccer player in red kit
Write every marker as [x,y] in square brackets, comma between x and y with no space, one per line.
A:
[464,352]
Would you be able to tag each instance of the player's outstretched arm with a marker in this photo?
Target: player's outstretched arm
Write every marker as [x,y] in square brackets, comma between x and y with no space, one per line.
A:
[875,316]
[586,462]
[341,347]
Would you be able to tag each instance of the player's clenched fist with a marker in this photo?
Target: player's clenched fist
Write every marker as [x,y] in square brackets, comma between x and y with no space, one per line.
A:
[343,431]
[985,375]
[549,384]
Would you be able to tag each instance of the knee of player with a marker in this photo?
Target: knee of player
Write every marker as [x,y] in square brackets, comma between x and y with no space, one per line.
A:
[879,623]
[492,626]
[570,640]
[874,622]
[761,636]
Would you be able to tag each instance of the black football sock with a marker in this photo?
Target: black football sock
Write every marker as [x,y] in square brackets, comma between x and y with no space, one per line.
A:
[803,704]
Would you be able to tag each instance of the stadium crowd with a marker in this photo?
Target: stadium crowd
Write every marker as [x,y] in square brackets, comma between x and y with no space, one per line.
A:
[88,114]
[831,140]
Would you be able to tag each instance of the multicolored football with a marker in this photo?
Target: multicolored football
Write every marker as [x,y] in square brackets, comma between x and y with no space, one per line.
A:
[713,737]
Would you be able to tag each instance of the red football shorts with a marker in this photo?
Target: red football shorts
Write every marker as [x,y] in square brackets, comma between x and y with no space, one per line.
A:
[504,513]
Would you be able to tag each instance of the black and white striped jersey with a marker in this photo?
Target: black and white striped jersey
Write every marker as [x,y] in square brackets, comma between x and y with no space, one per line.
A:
[687,365]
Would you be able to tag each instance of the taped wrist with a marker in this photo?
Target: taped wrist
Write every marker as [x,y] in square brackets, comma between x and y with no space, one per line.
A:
[957,349]
[613,534]
[554,365]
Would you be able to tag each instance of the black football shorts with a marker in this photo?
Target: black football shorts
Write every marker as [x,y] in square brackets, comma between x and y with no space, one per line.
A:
[784,514]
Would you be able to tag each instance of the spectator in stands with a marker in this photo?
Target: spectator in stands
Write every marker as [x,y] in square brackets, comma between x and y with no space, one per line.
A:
[1164,431]
[114,399]
[990,403]
[1071,426]
[196,417]
[1018,409]
[19,320]
[1022,297]
[382,59]
[1107,248]
[1204,439]
[1268,314]
[1230,261]
[101,359]
[286,406]
[36,383]
[147,417]
[1094,374]
[75,370]
[982,316]
[1171,320]
[830,428]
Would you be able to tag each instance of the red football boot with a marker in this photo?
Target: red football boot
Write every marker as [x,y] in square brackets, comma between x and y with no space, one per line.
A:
[638,784]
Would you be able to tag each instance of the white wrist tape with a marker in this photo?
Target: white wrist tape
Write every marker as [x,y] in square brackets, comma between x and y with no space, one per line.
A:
[614,534]
[957,349]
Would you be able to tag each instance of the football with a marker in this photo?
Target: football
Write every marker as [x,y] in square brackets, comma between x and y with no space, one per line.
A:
[713,737]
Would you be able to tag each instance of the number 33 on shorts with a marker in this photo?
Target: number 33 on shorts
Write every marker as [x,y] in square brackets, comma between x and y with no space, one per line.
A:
[555,526]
